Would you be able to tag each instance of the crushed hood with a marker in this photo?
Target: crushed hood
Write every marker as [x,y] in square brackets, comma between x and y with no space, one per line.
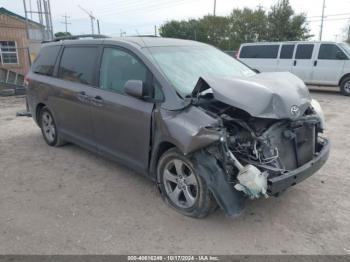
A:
[265,95]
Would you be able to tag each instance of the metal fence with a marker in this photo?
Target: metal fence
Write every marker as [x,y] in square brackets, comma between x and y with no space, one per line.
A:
[11,83]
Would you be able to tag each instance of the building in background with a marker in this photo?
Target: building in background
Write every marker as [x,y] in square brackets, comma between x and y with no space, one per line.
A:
[17,46]
[15,42]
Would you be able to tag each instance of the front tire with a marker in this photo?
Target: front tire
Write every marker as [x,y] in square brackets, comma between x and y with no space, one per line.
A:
[345,86]
[49,128]
[181,188]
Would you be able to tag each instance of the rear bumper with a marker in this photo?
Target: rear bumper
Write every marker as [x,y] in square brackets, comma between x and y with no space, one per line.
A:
[280,183]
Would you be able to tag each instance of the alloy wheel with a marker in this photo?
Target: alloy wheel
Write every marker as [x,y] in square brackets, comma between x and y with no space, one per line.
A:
[48,127]
[180,183]
[347,87]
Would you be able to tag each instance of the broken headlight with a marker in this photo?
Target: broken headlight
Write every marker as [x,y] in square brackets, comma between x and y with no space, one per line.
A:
[318,110]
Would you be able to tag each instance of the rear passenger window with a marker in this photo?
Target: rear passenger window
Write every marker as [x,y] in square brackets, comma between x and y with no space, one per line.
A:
[259,51]
[45,62]
[118,67]
[287,52]
[304,51]
[78,64]
[329,52]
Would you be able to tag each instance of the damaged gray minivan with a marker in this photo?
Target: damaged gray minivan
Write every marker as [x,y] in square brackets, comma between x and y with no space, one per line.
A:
[206,128]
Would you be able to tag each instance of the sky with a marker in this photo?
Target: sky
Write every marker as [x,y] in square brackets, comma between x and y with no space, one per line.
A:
[141,16]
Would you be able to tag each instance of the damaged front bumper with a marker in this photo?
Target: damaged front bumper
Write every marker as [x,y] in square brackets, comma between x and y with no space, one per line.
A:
[280,183]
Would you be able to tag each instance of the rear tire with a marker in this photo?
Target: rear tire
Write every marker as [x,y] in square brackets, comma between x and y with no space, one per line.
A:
[180,186]
[345,86]
[49,128]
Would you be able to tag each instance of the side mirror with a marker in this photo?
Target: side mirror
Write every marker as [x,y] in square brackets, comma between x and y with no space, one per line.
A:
[340,55]
[134,88]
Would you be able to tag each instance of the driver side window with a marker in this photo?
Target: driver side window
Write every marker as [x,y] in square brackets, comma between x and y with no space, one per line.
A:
[330,52]
[117,67]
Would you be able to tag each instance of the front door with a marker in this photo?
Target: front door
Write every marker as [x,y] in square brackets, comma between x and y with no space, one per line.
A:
[303,63]
[329,65]
[122,124]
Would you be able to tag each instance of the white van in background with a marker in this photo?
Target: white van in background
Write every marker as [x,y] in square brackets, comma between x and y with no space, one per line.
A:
[317,63]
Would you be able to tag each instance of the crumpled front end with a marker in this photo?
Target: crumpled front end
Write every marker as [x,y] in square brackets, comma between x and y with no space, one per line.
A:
[262,157]
[253,140]
[265,150]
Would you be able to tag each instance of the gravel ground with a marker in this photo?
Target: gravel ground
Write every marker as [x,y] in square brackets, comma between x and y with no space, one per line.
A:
[69,201]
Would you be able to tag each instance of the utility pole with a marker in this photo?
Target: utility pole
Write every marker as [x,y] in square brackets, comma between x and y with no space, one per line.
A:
[27,32]
[155,30]
[98,26]
[214,8]
[66,23]
[92,18]
[323,7]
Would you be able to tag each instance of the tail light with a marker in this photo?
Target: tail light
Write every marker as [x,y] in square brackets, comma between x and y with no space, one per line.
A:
[26,81]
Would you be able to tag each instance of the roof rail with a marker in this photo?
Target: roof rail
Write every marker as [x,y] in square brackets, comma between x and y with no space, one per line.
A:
[75,37]
[142,36]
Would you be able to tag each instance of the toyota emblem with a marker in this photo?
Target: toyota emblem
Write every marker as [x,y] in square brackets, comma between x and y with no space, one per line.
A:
[294,110]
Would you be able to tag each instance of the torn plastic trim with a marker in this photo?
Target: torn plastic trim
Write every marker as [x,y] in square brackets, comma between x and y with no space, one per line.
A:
[229,199]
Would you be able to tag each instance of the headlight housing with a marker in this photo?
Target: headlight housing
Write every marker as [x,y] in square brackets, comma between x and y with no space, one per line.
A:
[317,107]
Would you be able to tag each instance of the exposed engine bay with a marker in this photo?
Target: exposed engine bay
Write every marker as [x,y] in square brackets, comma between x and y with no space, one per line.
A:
[259,148]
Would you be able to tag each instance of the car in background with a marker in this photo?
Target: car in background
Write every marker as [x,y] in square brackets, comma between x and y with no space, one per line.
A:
[316,63]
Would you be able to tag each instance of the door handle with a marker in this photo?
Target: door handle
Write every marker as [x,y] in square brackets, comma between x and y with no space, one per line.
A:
[315,63]
[98,98]
[97,101]
[295,62]
[82,96]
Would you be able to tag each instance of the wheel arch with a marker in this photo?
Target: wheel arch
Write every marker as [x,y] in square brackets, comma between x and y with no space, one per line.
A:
[160,149]
[343,77]
[38,108]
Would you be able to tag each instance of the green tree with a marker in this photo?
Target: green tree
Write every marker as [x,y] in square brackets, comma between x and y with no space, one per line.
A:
[247,25]
[242,25]
[209,29]
[62,34]
[284,25]
[213,30]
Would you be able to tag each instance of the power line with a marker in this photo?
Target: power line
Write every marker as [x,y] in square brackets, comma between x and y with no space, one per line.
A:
[341,14]
[330,19]
[137,4]
[151,7]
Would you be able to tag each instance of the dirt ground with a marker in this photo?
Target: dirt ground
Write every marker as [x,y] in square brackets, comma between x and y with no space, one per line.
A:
[69,201]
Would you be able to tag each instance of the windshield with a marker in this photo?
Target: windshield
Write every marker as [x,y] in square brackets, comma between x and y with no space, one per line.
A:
[183,65]
[346,48]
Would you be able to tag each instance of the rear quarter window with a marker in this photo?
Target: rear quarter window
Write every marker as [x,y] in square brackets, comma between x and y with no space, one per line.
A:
[259,51]
[44,64]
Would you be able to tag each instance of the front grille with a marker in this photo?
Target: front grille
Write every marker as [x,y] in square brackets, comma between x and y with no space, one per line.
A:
[295,146]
